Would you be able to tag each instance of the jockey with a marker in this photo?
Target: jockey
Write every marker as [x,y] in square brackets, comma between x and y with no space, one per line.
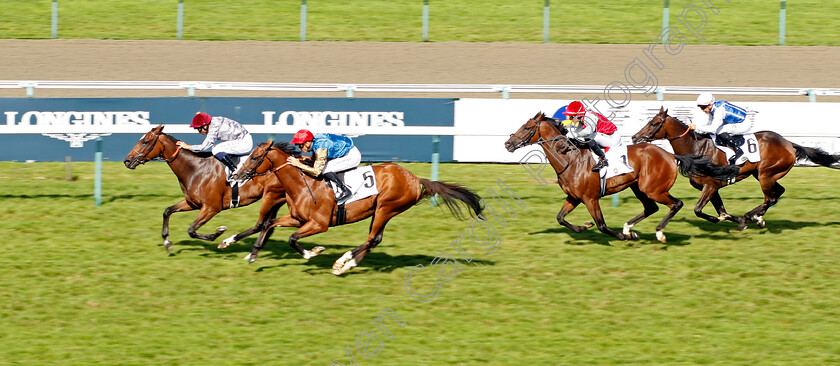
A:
[234,138]
[594,132]
[333,153]
[725,120]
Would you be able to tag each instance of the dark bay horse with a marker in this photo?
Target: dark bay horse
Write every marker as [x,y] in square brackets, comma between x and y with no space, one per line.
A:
[654,173]
[312,207]
[778,156]
[202,179]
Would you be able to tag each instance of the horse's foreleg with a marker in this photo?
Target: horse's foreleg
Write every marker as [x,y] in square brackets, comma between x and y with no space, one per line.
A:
[178,207]
[205,215]
[594,208]
[568,206]
[284,221]
[353,257]
[674,205]
[268,211]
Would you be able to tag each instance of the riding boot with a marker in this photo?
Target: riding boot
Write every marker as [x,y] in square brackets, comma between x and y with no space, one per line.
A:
[728,141]
[226,160]
[345,192]
[602,159]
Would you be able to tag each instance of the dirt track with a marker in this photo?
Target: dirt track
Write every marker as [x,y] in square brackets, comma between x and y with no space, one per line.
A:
[426,63]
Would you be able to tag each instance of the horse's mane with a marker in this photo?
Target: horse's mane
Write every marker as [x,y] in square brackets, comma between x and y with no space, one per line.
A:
[288,148]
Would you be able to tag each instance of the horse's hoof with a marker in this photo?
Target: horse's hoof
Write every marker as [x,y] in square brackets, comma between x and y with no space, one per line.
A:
[227,242]
[660,235]
[313,252]
[167,244]
[762,224]
[588,224]
[634,235]
[247,257]
[221,229]
[337,271]
[252,259]
[742,225]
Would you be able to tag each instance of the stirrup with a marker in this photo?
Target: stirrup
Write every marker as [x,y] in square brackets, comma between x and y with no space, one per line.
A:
[345,194]
[600,165]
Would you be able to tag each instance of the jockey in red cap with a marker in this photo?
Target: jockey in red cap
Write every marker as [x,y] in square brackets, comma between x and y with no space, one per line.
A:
[234,138]
[333,153]
[594,132]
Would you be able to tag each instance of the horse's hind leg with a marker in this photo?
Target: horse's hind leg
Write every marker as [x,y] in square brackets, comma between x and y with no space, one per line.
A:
[673,204]
[772,193]
[178,207]
[650,208]
[568,206]
[353,257]
[268,211]
[205,215]
[717,202]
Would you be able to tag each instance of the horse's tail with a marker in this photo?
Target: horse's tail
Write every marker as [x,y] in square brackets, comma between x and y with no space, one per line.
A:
[693,165]
[816,155]
[450,194]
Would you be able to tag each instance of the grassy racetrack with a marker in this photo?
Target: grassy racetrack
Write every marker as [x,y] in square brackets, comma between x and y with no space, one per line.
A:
[738,22]
[92,285]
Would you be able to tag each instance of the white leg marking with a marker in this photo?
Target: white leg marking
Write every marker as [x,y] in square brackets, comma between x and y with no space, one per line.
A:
[247,256]
[227,242]
[722,217]
[660,235]
[626,230]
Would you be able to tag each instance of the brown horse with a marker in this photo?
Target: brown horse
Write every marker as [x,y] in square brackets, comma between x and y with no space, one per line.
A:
[312,207]
[202,179]
[654,173]
[778,156]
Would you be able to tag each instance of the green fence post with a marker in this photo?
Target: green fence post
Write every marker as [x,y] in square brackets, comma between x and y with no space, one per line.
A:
[54,26]
[782,11]
[546,19]
[303,20]
[435,164]
[97,180]
[811,96]
[425,20]
[666,11]
[179,27]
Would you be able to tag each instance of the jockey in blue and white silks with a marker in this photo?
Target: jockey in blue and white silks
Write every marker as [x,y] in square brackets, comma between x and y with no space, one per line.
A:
[333,153]
[725,120]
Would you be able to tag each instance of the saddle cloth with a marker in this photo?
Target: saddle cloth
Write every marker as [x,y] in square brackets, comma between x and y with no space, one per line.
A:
[617,162]
[749,147]
[360,180]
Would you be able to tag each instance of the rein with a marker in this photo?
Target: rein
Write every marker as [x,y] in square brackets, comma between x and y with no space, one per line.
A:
[275,170]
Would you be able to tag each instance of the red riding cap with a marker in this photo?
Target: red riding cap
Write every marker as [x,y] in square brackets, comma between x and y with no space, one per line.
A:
[302,136]
[200,119]
[575,108]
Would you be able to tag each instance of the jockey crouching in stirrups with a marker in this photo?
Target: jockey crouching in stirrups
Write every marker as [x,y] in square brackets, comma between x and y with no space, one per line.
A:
[725,121]
[333,153]
[594,132]
[235,139]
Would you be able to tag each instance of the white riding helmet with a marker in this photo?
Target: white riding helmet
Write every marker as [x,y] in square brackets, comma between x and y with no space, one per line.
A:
[705,99]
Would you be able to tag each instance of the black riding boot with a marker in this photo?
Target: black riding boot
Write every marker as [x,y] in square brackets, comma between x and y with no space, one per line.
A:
[345,192]
[226,160]
[727,140]
[602,159]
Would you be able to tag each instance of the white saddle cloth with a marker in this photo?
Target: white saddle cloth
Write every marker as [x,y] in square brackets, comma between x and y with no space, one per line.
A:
[617,162]
[361,181]
[749,147]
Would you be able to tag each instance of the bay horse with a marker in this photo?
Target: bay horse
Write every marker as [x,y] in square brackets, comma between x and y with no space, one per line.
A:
[312,206]
[202,180]
[654,173]
[778,156]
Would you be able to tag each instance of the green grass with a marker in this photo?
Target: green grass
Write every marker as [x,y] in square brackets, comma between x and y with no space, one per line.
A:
[739,22]
[82,284]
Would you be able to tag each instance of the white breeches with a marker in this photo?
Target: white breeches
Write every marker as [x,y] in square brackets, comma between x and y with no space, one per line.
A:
[236,147]
[734,128]
[607,140]
[349,161]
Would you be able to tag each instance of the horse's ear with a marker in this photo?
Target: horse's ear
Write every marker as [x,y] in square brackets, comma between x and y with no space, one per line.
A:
[537,116]
[159,128]
[270,142]
[666,111]
[662,109]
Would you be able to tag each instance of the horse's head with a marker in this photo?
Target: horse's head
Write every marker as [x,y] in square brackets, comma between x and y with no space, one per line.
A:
[148,148]
[267,157]
[532,132]
[653,129]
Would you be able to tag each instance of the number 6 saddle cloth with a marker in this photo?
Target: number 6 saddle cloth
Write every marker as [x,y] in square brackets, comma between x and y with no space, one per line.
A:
[749,146]
[360,180]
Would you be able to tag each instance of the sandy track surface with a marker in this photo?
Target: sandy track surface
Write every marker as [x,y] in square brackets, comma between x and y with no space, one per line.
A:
[422,63]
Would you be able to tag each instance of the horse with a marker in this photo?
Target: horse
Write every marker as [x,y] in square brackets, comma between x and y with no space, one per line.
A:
[312,207]
[654,173]
[778,156]
[202,180]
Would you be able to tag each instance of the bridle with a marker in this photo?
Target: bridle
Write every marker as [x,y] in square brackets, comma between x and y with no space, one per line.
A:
[142,156]
[649,137]
[541,140]
[273,169]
